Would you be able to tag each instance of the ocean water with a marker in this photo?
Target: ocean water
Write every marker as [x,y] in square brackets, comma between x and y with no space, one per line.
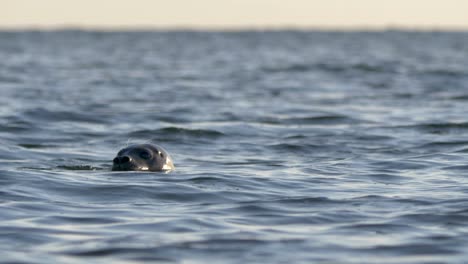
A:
[289,147]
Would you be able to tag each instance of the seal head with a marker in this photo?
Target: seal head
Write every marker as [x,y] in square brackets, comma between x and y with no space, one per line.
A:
[142,157]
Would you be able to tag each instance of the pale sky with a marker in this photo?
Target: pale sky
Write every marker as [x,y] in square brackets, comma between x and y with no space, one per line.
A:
[436,14]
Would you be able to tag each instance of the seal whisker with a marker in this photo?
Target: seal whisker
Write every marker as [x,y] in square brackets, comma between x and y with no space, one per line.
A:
[129,142]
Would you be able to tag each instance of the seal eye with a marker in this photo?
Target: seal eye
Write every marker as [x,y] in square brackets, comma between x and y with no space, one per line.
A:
[145,155]
[160,154]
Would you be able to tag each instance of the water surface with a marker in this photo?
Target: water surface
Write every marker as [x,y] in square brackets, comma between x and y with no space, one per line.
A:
[289,146]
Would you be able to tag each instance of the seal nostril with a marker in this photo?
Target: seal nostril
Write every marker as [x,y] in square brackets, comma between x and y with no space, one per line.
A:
[116,160]
[124,159]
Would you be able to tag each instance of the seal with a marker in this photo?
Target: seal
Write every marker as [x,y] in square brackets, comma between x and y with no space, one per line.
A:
[143,157]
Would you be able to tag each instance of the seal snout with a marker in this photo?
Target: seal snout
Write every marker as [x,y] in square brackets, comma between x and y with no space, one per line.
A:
[122,160]
[122,163]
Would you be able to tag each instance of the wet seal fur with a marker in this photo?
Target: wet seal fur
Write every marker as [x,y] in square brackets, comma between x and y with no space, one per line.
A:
[143,157]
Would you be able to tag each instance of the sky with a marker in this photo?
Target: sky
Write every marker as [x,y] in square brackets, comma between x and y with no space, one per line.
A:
[425,14]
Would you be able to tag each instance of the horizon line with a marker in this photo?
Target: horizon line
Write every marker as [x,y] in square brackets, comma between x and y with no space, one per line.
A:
[215,28]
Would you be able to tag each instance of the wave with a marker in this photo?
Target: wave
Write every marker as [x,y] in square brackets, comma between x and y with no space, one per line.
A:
[331,119]
[437,128]
[176,132]
[338,67]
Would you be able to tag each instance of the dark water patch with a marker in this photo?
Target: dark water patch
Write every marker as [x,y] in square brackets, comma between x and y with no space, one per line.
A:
[400,165]
[219,250]
[191,132]
[82,220]
[130,252]
[444,146]
[374,68]
[295,148]
[463,168]
[442,128]
[413,249]
[362,67]
[463,150]
[251,162]
[79,167]
[205,179]
[299,204]
[298,136]
[10,79]
[335,68]
[36,146]
[378,228]
[452,73]
[371,137]
[458,97]
[177,132]
[307,201]
[291,68]
[382,201]
[311,120]
[265,218]
[332,67]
